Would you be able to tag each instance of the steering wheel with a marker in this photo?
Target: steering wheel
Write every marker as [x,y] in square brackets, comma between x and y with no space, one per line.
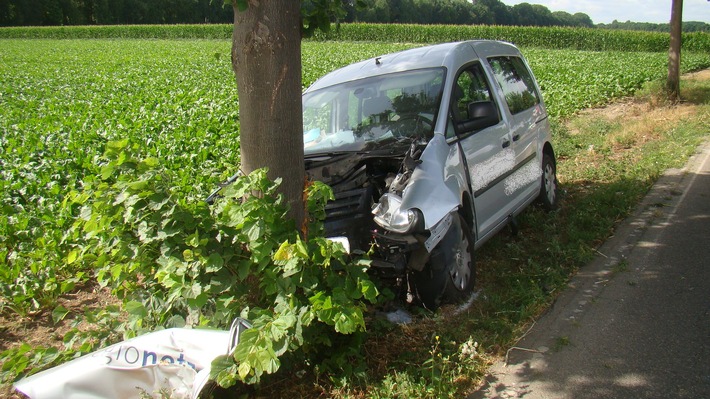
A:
[412,125]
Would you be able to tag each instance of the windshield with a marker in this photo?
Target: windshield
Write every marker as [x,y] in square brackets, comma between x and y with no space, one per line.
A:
[368,113]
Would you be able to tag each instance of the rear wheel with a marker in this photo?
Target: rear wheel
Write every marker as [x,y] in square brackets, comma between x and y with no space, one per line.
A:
[450,273]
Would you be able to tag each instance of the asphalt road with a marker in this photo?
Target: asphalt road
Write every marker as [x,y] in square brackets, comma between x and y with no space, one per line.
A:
[635,323]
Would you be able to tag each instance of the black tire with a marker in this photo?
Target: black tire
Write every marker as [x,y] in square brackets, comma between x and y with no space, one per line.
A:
[548,189]
[450,274]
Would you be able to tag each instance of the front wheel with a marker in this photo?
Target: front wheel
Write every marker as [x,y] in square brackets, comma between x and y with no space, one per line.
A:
[450,273]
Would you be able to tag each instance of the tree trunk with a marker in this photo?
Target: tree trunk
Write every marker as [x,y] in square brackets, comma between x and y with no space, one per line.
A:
[266,58]
[673,82]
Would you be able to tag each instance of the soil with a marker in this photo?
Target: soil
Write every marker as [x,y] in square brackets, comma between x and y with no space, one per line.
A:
[39,330]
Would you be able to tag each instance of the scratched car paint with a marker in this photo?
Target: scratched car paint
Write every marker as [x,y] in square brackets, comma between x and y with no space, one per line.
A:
[429,152]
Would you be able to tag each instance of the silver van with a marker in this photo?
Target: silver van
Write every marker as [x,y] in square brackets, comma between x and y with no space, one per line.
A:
[429,152]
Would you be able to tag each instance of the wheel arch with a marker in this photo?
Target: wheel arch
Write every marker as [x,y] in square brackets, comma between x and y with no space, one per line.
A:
[547,149]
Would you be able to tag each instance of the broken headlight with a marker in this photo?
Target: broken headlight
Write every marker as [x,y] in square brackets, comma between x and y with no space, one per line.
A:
[389,215]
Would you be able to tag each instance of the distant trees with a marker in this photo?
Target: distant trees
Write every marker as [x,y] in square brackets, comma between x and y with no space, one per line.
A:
[457,12]
[462,12]
[576,19]
[688,26]
[110,12]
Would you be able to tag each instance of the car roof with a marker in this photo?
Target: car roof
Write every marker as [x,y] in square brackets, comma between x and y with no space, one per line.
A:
[449,55]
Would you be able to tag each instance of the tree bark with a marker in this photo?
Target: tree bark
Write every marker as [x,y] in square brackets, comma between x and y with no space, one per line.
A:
[673,81]
[266,59]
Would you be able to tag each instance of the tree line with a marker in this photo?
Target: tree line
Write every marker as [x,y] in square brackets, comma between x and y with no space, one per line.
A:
[457,12]
[110,12]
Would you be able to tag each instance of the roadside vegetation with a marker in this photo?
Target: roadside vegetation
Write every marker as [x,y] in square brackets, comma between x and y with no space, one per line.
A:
[162,115]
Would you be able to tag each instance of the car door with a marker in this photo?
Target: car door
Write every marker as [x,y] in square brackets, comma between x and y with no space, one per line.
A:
[485,145]
[526,117]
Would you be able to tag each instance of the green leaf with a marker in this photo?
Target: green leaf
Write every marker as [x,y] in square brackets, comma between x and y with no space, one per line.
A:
[176,321]
[243,268]
[214,263]
[136,308]
[280,326]
[285,252]
[291,267]
[107,171]
[223,371]
[244,370]
[198,301]
[138,185]
[148,164]
[254,230]
[369,290]
[117,145]
[302,250]
[193,239]
[72,256]
[349,321]
[59,313]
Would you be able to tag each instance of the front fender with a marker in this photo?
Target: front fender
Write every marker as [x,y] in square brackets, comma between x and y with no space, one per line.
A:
[431,189]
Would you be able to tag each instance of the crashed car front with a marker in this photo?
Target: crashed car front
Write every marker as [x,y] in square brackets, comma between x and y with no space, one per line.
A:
[372,140]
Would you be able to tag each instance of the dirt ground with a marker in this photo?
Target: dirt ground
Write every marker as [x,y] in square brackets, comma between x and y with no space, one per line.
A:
[40,330]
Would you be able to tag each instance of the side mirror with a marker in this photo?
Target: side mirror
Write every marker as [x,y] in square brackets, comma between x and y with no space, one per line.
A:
[482,114]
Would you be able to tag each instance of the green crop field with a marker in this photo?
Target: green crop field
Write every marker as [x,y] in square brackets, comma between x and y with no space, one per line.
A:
[62,102]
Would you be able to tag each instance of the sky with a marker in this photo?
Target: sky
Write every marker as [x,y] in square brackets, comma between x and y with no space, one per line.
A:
[606,11]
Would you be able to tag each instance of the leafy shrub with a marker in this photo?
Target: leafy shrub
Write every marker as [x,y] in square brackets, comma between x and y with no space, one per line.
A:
[176,262]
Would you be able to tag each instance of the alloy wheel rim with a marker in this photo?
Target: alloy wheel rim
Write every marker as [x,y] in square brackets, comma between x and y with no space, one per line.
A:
[462,273]
[550,183]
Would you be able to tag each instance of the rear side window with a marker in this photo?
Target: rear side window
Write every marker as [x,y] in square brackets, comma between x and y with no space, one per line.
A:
[516,82]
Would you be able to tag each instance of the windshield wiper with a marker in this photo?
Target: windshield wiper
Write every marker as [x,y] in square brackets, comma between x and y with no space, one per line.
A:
[323,156]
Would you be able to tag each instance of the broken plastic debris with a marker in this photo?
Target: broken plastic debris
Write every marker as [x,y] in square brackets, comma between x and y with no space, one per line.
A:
[176,361]
[399,316]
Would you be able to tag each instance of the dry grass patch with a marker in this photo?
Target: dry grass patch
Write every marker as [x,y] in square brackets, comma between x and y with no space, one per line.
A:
[622,130]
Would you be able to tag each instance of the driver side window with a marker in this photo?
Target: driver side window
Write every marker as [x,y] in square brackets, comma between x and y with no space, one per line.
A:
[471,87]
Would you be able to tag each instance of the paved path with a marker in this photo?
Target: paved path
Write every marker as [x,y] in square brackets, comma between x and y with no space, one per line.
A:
[636,322]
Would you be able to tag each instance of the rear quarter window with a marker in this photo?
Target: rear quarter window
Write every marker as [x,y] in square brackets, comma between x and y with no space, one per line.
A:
[517,83]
